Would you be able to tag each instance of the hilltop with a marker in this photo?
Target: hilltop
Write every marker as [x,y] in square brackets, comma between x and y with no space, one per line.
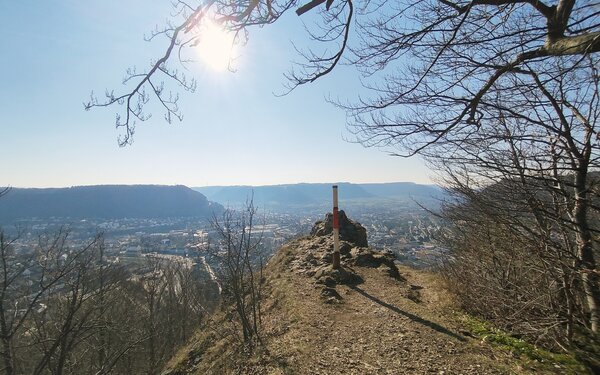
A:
[106,201]
[373,316]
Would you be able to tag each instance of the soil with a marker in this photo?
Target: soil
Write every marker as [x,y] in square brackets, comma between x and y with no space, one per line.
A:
[375,328]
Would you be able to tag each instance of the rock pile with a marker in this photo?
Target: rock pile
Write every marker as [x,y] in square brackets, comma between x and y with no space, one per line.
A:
[350,231]
[312,256]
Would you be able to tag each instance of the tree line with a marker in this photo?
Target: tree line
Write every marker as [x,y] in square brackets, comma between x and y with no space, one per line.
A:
[69,310]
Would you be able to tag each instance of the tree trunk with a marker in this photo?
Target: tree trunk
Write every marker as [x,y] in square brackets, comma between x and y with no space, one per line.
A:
[585,249]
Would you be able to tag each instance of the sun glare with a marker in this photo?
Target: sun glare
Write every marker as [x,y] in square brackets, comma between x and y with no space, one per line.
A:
[215,47]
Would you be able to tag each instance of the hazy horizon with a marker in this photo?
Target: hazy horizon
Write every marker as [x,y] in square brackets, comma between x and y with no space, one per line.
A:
[216,185]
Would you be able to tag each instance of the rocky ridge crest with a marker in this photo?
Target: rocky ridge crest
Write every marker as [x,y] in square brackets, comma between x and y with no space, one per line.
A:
[313,254]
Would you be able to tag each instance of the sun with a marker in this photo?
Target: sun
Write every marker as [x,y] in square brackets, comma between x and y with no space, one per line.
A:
[215,47]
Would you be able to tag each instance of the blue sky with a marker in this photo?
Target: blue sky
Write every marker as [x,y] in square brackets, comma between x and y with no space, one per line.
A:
[235,131]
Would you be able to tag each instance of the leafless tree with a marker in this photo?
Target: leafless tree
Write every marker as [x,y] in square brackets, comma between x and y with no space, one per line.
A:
[46,306]
[20,296]
[239,254]
[539,155]
[167,300]
[73,311]
[441,59]
[506,269]
[181,34]
[447,63]
[67,309]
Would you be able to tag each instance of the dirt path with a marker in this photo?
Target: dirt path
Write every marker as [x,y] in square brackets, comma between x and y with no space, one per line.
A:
[375,329]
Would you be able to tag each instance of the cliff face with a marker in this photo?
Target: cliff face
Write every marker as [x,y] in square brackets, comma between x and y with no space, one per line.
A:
[370,317]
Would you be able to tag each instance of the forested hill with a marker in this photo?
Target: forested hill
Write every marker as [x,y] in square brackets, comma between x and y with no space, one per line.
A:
[310,194]
[106,201]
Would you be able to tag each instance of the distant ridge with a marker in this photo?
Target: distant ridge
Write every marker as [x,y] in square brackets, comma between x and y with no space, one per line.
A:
[106,201]
[318,193]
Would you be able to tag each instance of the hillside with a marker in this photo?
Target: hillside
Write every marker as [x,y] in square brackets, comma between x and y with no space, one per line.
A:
[317,194]
[106,201]
[372,317]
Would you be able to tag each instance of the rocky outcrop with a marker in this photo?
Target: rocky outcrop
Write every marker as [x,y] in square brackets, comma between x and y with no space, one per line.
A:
[350,231]
[384,261]
[311,256]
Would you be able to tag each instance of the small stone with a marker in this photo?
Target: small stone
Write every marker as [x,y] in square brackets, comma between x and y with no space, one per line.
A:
[330,292]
